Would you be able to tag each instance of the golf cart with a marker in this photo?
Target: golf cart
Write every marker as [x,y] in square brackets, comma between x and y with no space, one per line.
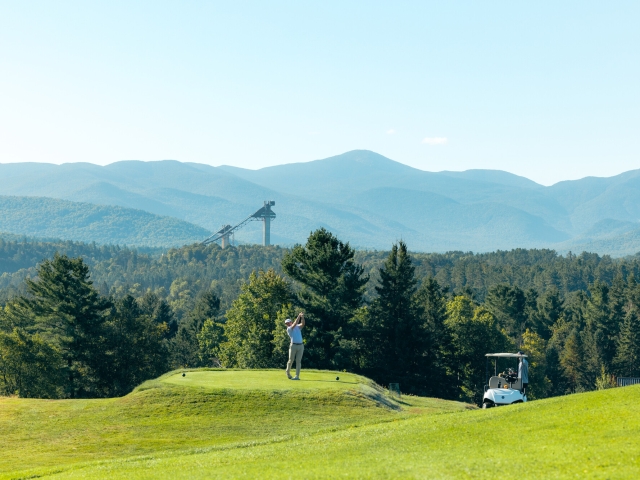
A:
[504,388]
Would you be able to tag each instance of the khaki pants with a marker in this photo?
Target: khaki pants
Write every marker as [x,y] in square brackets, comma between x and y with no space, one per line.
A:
[295,352]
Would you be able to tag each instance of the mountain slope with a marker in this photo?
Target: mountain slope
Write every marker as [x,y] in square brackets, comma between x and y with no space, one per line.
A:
[47,217]
[363,197]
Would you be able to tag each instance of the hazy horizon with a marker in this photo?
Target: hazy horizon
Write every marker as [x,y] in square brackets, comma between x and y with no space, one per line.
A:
[319,159]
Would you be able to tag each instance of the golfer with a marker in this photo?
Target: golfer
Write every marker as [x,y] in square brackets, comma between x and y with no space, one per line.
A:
[296,349]
[523,373]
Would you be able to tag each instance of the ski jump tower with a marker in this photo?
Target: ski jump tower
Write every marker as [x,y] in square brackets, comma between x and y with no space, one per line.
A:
[265,214]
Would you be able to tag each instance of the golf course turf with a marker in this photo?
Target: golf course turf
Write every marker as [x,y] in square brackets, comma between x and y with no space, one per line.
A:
[258,424]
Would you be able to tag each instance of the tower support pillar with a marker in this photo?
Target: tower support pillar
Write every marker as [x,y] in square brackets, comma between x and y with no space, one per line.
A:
[266,231]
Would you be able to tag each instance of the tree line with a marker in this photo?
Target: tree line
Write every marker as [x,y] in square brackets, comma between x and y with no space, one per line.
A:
[424,321]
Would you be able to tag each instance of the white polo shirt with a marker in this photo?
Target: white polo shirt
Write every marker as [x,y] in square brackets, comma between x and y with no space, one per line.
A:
[295,334]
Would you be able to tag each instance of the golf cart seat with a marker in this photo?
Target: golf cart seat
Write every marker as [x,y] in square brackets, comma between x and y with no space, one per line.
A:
[497,382]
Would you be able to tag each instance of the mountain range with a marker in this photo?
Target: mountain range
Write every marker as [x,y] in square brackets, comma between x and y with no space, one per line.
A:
[363,197]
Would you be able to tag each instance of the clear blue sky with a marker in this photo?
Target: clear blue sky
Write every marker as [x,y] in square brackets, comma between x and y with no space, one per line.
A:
[548,90]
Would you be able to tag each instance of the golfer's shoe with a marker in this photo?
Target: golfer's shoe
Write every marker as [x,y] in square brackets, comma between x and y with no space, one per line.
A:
[295,378]
[289,377]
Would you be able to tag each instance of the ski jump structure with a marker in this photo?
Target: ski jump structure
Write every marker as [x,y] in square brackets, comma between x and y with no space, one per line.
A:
[265,214]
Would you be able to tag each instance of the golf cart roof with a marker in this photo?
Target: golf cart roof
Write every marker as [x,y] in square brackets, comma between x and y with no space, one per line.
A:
[506,355]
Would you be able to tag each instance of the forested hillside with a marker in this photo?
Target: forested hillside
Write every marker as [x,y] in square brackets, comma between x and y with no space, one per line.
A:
[423,320]
[52,218]
[115,269]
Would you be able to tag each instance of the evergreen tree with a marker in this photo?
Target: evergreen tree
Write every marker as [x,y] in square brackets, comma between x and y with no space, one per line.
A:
[185,346]
[432,302]
[572,361]
[508,305]
[332,287]
[159,311]
[70,311]
[550,307]
[559,383]
[627,360]
[599,334]
[399,336]
[30,367]
[133,349]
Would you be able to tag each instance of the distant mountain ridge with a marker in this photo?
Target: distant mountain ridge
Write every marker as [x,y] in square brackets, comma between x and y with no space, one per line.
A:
[53,218]
[365,198]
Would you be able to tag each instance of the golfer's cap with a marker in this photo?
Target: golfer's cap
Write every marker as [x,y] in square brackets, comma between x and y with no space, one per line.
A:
[288,320]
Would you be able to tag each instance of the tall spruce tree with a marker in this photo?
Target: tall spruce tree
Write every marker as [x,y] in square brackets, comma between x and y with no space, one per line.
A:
[600,332]
[184,346]
[159,311]
[572,360]
[134,348]
[70,311]
[509,306]
[332,288]
[400,337]
[550,307]
[431,298]
[627,360]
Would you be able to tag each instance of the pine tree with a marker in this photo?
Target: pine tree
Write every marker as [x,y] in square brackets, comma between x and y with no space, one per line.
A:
[399,335]
[627,360]
[159,311]
[133,348]
[185,346]
[332,288]
[572,361]
[600,332]
[70,311]
[432,302]
[29,366]
[550,308]
[508,305]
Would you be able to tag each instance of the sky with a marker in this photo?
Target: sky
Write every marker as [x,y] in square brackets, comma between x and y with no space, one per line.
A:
[548,90]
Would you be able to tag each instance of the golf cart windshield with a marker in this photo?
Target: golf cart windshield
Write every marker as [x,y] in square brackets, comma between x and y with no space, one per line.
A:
[510,375]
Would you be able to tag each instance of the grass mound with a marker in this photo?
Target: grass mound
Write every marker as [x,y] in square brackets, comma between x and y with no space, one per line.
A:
[591,435]
[205,409]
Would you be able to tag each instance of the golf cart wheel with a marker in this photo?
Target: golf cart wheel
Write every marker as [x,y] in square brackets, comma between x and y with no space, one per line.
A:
[487,405]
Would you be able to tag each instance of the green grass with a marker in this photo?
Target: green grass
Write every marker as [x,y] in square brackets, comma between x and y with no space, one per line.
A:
[331,430]
[205,409]
[264,380]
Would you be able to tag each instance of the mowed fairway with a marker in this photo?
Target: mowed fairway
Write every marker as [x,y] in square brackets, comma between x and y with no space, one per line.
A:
[264,380]
[349,434]
[206,409]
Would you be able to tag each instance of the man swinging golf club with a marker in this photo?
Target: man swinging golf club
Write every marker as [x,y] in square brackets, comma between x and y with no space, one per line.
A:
[296,349]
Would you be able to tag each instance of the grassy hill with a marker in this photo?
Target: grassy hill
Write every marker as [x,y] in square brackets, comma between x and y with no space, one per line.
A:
[49,217]
[257,424]
[204,410]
